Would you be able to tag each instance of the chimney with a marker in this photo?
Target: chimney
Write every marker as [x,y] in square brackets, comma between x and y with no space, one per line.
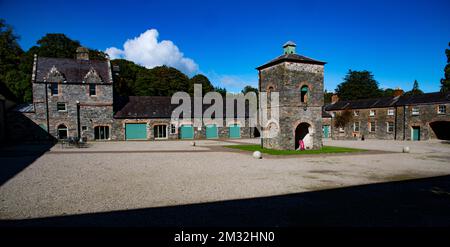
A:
[82,53]
[334,98]
[398,92]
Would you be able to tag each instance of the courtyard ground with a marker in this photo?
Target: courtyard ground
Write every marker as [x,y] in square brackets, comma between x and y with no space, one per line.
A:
[173,183]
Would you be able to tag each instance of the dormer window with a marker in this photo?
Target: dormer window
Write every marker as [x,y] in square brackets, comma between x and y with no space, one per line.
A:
[92,89]
[304,94]
[54,88]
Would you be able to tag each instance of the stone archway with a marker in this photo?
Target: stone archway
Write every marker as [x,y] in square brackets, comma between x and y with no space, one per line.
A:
[441,129]
[303,132]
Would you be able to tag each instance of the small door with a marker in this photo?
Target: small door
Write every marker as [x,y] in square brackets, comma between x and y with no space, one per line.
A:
[136,131]
[187,132]
[416,133]
[235,131]
[211,131]
[326,131]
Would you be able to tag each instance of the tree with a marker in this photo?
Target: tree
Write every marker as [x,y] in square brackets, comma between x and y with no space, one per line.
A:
[222,91]
[12,65]
[388,92]
[415,90]
[343,118]
[358,85]
[327,97]
[204,81]
[445,82]
[249,88]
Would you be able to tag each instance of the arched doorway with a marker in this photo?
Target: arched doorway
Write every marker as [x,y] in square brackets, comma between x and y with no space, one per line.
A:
[441,129]
[256,132]
[62,131]
[301,133]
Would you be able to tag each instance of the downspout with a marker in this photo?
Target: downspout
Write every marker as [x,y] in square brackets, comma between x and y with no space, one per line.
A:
[259,106]
[395,124]
[78,120]
[404,122]
[46,107]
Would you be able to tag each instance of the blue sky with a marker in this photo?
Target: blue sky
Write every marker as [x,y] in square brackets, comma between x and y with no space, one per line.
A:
[398,41]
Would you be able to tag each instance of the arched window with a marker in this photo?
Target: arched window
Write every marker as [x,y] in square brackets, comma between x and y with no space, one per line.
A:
[62,131]
[304,94]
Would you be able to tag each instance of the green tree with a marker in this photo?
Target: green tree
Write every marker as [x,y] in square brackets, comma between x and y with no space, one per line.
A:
[445,82]
[222,91]
[388,92]
[204,81]
[55,45]
[327,97]
[161,81]
[415,90]
[249,88]
[358,85]
[12,69]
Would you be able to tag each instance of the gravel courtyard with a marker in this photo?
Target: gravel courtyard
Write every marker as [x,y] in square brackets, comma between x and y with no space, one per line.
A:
[120,176]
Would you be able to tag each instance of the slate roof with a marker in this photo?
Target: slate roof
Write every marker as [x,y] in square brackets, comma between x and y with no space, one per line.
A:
[26,107]
[291,58]
[73,70]
[427,98]
[157,107]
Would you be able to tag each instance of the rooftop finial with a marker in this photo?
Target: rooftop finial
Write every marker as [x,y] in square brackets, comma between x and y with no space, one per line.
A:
[289,47]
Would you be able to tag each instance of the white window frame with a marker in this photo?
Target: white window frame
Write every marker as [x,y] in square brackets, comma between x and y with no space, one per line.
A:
[374,125]
[160,138]
[439,109]
[354,126]
[173,129]
[356,113]
[61,103]
[372,113]
[390,112]
[387,127]
[415,111]
[104,127]
[341,130]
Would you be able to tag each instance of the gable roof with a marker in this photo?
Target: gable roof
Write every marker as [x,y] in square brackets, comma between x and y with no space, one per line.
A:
[426,98]
[291,58]
[73,70]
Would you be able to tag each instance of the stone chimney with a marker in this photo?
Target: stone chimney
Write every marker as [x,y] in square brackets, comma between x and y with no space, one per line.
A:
[334,98]
[398,92]
[82,53]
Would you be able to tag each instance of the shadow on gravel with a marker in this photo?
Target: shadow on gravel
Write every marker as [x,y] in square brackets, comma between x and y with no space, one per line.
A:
[14,159]
[418,202]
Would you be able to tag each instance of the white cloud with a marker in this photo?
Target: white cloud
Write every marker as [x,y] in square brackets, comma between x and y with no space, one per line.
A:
[147,51]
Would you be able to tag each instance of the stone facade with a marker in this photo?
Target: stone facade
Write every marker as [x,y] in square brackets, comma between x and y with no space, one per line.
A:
[287,75]
[394,122]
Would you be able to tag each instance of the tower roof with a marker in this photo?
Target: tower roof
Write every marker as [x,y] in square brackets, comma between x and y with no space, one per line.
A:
[289,43]
[290,58]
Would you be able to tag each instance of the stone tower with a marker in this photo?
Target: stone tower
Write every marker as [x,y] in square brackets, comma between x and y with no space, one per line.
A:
[299,82]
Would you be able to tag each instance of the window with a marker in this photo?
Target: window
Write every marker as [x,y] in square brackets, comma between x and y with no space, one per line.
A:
[61,106]
[372,113]
[54,88]
[160,131]
[390,112]
[372,126]
[356,126]
[441,109]
[390,127]
[173,129]
[92,90]
[62,132]
[341,130]
[84,128]
[415,111]
[356,113]
[304,94]
[101,132]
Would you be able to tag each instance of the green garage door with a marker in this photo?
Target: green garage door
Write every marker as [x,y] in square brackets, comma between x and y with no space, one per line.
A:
[211,131]
[235,131]
[136,131]
[187,132]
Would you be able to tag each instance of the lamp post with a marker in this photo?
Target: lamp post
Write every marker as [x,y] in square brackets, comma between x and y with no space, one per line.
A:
[78,120]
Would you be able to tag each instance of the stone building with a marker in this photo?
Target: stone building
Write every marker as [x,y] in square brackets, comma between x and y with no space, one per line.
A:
[401,117]
[74,98]
[299,82]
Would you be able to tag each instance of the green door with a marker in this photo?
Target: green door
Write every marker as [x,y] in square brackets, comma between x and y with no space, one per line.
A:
[326,131]
[211,131]
[187,132]
[416,133]
[235,131]
[136,131]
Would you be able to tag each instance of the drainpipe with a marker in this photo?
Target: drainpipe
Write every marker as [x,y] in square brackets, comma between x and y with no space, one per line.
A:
[259,106]
[78,120]
[404,122]
[395,124]
[46,108]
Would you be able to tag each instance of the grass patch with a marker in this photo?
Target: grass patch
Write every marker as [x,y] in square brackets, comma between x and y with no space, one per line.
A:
[324,150]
